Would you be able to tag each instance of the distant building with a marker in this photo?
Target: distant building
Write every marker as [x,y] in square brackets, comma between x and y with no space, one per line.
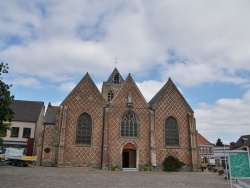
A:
[25,126]
[243,142]
[220,154]
[206,148]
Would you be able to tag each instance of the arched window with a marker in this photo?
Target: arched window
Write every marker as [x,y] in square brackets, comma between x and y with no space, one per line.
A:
[129,125]
[84,129]
[110,96]
[171,132]
[116,79]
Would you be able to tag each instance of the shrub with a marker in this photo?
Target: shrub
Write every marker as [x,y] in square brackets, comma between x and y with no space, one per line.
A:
[215,170]
[113,167]
[220,172]
[145,168]
[172,164]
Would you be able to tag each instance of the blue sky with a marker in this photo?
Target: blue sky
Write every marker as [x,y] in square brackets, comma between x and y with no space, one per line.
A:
[204,46]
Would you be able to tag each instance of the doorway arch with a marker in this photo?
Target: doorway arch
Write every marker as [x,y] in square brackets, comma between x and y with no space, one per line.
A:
[129,156]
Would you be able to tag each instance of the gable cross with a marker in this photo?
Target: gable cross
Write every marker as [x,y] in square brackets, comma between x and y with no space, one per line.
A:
[115,62]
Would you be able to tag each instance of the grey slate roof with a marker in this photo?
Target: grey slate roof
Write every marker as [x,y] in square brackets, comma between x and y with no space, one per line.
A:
[26,111]
[115,71]
[51,113]
[244,140]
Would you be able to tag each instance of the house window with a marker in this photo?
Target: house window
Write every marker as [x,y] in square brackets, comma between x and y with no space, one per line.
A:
[171,132]
[26,132]
[84,129]
[14,132]
[110,96]
[129,125]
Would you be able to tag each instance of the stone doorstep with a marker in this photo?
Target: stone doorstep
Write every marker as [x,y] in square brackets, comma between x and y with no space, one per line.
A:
[129,169]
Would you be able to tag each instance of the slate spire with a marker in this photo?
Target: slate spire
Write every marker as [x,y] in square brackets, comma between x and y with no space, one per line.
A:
[115,77]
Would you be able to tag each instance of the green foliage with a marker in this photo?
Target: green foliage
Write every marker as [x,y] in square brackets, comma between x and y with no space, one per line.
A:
[220,172]
[215,170]
[145,168]
[172,164]
[113,167]
[232,143]
[6,113]
[219,142]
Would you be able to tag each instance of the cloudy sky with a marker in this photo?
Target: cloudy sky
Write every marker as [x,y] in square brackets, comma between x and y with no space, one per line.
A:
[204,46]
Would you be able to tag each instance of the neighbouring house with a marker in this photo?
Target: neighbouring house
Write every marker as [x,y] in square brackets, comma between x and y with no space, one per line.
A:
[25,126]
[206,149]
[118,127]
[242,143]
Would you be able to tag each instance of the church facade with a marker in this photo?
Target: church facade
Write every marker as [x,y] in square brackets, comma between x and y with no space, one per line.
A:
[117,127]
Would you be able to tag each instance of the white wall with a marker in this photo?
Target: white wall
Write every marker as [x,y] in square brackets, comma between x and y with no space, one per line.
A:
[21,126]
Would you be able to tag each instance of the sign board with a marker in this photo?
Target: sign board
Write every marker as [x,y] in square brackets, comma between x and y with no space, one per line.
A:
[239,164]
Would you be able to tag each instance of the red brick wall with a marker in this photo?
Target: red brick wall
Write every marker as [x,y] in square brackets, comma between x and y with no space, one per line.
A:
[169,104]
[84,98]
[117,109]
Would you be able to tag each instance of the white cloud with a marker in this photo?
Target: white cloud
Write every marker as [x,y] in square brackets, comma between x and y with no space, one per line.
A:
[27,82]
[209,38]
[67,86]
[149,88]
[225,117]
[56,103]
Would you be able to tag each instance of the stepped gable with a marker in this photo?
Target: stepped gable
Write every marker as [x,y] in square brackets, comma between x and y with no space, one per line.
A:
[163,91]
[115,74]
[84,90]
[130,93]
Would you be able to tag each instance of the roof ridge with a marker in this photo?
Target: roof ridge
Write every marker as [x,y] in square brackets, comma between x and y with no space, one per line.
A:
[28,101]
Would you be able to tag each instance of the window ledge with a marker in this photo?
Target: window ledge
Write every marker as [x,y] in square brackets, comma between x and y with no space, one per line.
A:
[172,147]
[82,145]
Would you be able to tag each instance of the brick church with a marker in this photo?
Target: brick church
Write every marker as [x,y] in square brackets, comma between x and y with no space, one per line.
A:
[118,127]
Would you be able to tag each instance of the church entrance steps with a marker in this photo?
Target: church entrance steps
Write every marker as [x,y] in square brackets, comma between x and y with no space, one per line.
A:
[129,169]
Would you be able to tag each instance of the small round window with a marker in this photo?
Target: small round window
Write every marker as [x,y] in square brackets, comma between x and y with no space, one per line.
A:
[46,150]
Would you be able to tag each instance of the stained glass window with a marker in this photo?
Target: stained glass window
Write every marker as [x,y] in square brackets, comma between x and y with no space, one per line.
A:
[84,129]
[171,132]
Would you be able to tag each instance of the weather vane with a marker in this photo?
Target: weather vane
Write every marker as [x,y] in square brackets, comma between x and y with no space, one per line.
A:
[115,62]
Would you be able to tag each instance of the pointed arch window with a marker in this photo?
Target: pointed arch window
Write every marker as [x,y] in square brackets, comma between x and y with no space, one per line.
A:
[171,132]
[84,129]
[110,96]
[129,125]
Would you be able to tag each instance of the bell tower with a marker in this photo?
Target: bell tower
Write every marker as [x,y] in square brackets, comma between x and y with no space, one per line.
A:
[111,87]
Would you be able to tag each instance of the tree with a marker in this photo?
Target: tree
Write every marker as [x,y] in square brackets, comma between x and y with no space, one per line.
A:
[6,113]
[232,143]
[219,142]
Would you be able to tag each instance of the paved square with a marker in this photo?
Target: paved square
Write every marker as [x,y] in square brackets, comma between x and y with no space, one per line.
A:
[36,176]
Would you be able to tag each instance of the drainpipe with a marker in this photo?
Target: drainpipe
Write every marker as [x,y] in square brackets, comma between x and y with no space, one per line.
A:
[103,129]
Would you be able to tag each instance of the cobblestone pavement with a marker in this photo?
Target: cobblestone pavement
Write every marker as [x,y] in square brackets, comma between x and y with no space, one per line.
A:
[36,176]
